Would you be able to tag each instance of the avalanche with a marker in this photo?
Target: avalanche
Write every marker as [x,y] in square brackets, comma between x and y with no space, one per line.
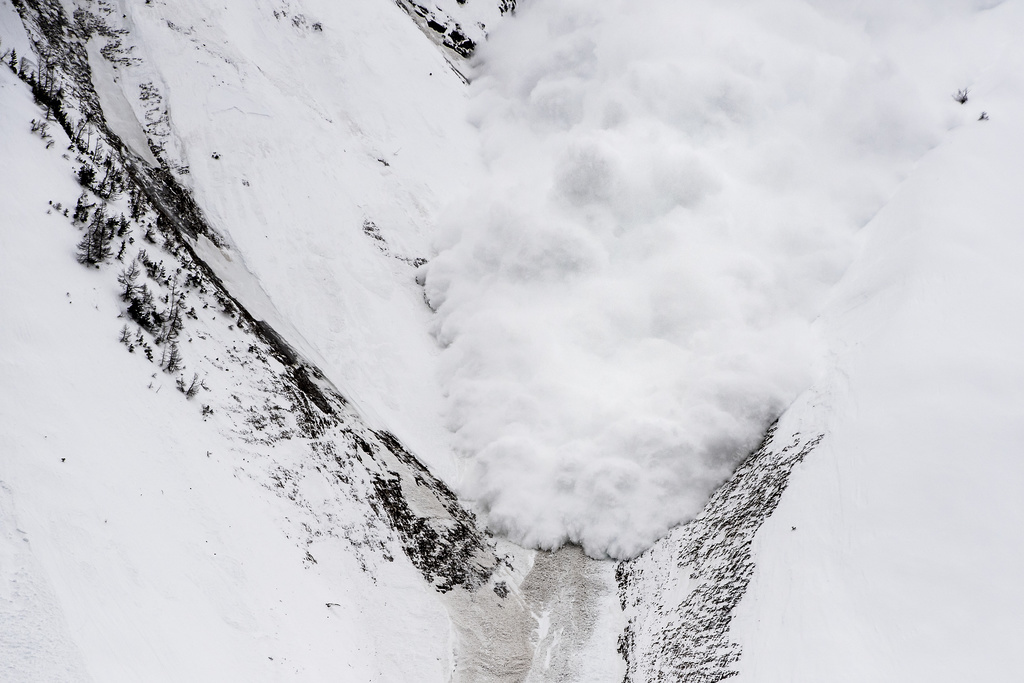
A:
[725,288]
[625,296]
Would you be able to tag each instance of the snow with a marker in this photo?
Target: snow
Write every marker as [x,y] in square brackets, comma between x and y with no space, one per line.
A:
[906,556]
[11,33]
[656,228]
[116,108]
[34,636]
[625,296]
[135,544]
[180,545]
[318,134]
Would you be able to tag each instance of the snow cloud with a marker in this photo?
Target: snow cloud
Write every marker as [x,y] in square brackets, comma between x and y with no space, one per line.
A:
[625,297]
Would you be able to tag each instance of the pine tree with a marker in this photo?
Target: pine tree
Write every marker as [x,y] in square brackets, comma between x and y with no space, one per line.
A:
[86,175]
[95,245]
[137,203]
[141,307]
[171,360]
[127,280]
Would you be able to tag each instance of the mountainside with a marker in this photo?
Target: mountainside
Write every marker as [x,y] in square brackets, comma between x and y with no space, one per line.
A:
[236,442]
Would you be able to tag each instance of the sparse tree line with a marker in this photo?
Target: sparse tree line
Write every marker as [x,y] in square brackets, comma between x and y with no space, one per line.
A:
[154,299]
[45,89]
[157,305]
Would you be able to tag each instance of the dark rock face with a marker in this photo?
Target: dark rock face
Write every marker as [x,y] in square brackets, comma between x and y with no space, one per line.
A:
[445,29]
[451,554]
[460,36]
[680,595]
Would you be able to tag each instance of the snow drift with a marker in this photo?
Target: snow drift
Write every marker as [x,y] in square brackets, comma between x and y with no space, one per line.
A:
[625,296]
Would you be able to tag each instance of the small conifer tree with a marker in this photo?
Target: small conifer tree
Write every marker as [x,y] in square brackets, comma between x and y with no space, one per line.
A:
[171,360]
[127,280]
[95,245]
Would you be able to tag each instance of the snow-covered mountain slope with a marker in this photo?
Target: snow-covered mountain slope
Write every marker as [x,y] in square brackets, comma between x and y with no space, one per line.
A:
[906,557]
[230,465]
[208,538]
[352,537]
[251,449]
[324,182]
[320,139]
[893,554]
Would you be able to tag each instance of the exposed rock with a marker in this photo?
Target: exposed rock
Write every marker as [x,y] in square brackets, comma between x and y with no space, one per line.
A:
[680,595]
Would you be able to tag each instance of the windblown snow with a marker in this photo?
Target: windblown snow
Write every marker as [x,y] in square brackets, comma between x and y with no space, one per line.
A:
[625,296]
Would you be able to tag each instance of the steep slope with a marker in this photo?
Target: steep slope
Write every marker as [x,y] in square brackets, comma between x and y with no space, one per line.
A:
[320,139]
[226,465]
[187,538]
[326,492]
[905,559]
[893,553]
[175,581]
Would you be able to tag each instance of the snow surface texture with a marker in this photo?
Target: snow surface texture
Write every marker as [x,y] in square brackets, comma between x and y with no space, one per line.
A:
[143,535]
[894,553]
[144,539]
[147,541]
[321,155]
[354,519]
[625,297]
[906,558]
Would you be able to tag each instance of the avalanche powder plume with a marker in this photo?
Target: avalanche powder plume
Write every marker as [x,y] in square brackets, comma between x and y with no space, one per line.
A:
[625,297]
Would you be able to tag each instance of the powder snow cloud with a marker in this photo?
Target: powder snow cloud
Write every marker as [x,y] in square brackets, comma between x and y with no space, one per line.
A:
[625,298]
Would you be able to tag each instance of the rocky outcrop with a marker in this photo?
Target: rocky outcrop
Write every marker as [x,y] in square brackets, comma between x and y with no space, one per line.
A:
[680,596]
[458,28]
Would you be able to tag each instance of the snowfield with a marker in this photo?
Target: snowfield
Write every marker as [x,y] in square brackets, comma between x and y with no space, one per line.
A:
[645,341]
